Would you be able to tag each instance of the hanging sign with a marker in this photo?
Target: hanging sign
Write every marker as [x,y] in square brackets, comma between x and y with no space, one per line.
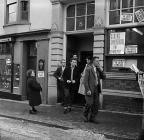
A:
[140,15]
[117,43]
[127,17]
[118,62]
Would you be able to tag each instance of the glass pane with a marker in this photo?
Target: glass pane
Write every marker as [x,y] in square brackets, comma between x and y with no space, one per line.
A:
[114,4]
[114,17]
[139,15]
[80,23]
[127,16]
[90,21]
[5,74]
[16,80]
[24,5]
[12,8]
[90,8]
[81,9]
[127,3]
[12,17]
[139,2]
[70,24]
[71,11]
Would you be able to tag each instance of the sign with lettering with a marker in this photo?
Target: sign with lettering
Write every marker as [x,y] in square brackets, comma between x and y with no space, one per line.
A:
[5,40]
[131,49]
[118,62]
[40,74]
[117,43]
[127,17]
[140,15]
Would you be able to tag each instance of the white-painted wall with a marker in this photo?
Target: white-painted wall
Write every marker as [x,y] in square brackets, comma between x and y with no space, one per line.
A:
[40,14]
[40,18]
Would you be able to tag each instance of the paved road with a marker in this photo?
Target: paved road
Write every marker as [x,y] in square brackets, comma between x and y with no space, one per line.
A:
[11,129]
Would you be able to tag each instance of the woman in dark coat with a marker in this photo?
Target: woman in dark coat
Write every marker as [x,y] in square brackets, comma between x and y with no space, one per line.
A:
[33,90]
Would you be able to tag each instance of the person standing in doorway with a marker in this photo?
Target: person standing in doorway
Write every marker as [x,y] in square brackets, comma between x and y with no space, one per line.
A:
[71,79]
[58,74]
[33,89]
[92,85]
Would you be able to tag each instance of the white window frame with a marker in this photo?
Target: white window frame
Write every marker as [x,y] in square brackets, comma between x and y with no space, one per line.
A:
[125,24]
[75,4]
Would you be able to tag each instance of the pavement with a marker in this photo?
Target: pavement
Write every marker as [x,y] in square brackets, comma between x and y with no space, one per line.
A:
[117,126]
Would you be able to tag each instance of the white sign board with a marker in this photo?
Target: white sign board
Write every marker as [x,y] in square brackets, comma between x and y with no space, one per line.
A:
[127,17]
[117,43]
[118,63]
[40,74]
[131,49]
[140,15]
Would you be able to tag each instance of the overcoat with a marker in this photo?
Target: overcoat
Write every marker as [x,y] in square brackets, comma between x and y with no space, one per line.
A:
[90,83]
[33,89]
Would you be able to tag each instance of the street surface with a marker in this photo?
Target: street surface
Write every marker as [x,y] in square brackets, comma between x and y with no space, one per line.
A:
[11,129]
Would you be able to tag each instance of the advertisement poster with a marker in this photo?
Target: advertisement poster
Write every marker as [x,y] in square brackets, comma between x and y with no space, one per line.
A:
[131,49]
[117,43]
[40,74]
[118,63]
[140,15]
[127,17]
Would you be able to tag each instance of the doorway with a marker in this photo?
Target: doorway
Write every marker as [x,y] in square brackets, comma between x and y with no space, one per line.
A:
[82,45]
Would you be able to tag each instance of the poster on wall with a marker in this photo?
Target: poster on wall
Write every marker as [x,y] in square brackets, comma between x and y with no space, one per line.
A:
[140,15]
[40,74]
[127,17]
[131,49]
[118,62]
[117,43]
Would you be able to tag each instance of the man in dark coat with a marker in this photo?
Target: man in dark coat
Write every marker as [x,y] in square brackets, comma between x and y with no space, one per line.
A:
[92,85]
[33,89]
[71,77]
[58,74]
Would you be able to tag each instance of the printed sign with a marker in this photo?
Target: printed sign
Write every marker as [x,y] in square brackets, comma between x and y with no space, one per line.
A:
[140,15]
[118,63]
[131,49]
[117,43]
[127,17]
[40,74]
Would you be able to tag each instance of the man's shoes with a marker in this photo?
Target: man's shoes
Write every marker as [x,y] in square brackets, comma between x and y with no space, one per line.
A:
[85,118]
[69,109]
[32,112]
[94,121]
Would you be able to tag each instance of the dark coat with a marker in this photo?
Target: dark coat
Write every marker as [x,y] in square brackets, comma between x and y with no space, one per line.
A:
[58,73]
[90,82]
[33,89]
[67,76]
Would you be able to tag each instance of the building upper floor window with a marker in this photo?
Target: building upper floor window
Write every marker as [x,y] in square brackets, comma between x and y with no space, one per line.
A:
[80,16]
[17,11]
[126,11]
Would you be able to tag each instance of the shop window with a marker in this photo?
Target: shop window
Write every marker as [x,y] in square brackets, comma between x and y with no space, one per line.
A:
[80,16]
[5,67]
[125,47]
[126,11]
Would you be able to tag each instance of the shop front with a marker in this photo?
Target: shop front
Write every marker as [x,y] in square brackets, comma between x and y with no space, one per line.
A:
[18,54]
[124,41]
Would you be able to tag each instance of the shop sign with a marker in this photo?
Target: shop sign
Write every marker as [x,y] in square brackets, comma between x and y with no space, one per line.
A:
[140,15]
[131,49]
[117,43]
[127,17]
[118,63]
[40,74]
[5,40]
[8,61]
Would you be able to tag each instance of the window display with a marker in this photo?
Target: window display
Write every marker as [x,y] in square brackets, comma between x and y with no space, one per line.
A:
[125,47]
